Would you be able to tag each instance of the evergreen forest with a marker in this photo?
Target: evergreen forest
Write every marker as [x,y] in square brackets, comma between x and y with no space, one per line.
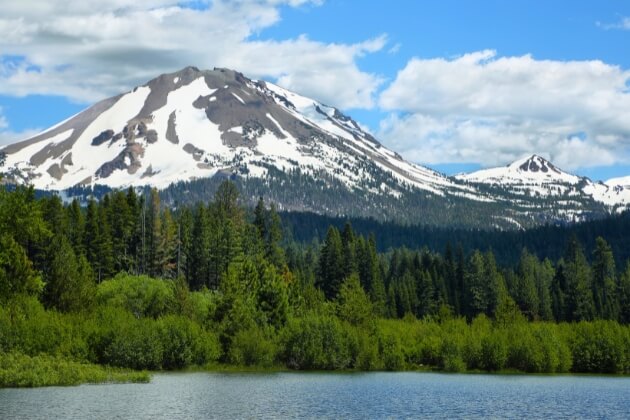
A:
[126,284]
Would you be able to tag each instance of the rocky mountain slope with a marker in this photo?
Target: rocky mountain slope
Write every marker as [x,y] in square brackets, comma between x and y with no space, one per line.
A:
[183,132]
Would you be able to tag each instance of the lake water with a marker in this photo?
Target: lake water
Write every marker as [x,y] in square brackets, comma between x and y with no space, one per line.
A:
[328,395]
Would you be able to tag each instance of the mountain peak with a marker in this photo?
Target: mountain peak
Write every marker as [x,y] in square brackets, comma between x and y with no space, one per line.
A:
[193,124]
[533,169]
[535,164]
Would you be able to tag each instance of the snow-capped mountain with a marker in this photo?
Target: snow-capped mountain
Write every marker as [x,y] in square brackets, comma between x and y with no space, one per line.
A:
[533,171]
[194,124]
[184,132]
[536,177]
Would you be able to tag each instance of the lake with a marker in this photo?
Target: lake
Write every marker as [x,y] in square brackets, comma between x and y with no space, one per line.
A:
[328,395]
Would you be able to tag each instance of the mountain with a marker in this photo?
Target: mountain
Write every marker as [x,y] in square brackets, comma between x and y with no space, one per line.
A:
[193,124]
[185,132]
[536,177]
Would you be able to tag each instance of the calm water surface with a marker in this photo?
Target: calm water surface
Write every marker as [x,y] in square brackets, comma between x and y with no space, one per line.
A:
[325,395]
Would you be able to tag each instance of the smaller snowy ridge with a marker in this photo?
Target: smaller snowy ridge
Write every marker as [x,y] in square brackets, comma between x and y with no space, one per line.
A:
[535,176]
[534,170]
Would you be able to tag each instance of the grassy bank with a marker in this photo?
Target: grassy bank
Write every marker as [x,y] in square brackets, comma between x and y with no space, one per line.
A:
[22,371]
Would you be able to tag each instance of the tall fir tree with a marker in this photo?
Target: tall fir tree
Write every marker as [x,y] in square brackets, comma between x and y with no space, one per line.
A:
[579,296]
[604,283]
[331,264]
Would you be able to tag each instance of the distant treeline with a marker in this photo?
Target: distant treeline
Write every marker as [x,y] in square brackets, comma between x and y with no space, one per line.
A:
[548,241]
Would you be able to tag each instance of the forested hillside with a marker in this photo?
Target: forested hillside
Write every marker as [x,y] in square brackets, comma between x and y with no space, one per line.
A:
[128,282]
[548,241]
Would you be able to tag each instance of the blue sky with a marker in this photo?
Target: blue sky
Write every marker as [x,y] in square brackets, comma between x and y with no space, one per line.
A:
[454,85]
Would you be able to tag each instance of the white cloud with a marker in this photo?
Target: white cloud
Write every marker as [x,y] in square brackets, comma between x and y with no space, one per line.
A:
[89,49]
[491,110]
[623,24]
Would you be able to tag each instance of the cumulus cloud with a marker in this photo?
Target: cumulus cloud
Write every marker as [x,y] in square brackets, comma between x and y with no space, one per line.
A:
[491,110]
[623,24]
[89,49]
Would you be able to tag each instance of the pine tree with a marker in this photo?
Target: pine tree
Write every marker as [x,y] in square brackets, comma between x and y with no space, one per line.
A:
[199,251]
[70,283]
[104,267]
[427,304]
[226,231]
[580,306]
[558,294]
[166,251]
[604,283]
[349,251]
[450,278]
[331,264]
[122,223]
[17,275]
[76,227]
[273,251]
[624,295]
[526,292]
[92,235]
[544,279]
[273,299]
[354,304]
[475,297]
[260,216]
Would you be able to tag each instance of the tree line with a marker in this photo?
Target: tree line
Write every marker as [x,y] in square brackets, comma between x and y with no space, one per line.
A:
[128,282]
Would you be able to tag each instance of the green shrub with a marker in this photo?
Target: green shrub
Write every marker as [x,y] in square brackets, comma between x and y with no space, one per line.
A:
[143,296]
[252,348]
[494,351]
[18,370]
[451,358]
[367,354]
[316,342]
[598,347]
[124,341]
[391,352]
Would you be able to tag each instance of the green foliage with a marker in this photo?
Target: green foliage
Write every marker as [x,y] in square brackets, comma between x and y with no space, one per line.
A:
[205,285]
[185,343]
[252,347]
[600,346]
[316,342]
[17,275]
[141,295]
[70,285]
[18,370]
[354,306]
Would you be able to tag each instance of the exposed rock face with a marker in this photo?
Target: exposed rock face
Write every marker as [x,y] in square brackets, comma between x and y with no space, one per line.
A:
[103,137]
[171,131]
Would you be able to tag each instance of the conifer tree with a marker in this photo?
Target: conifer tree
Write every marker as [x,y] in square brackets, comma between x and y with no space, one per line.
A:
[17,275]
[604,283]
[76,227]
[273,299]
[199,251]
[331,264]
[349,251]
[70,283]
[579,299]
[624,295]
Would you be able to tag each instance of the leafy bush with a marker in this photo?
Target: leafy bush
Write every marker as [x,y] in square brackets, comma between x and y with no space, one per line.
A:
[252,347]
[316,342]
[599,346]
[143,296]
[391,352]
